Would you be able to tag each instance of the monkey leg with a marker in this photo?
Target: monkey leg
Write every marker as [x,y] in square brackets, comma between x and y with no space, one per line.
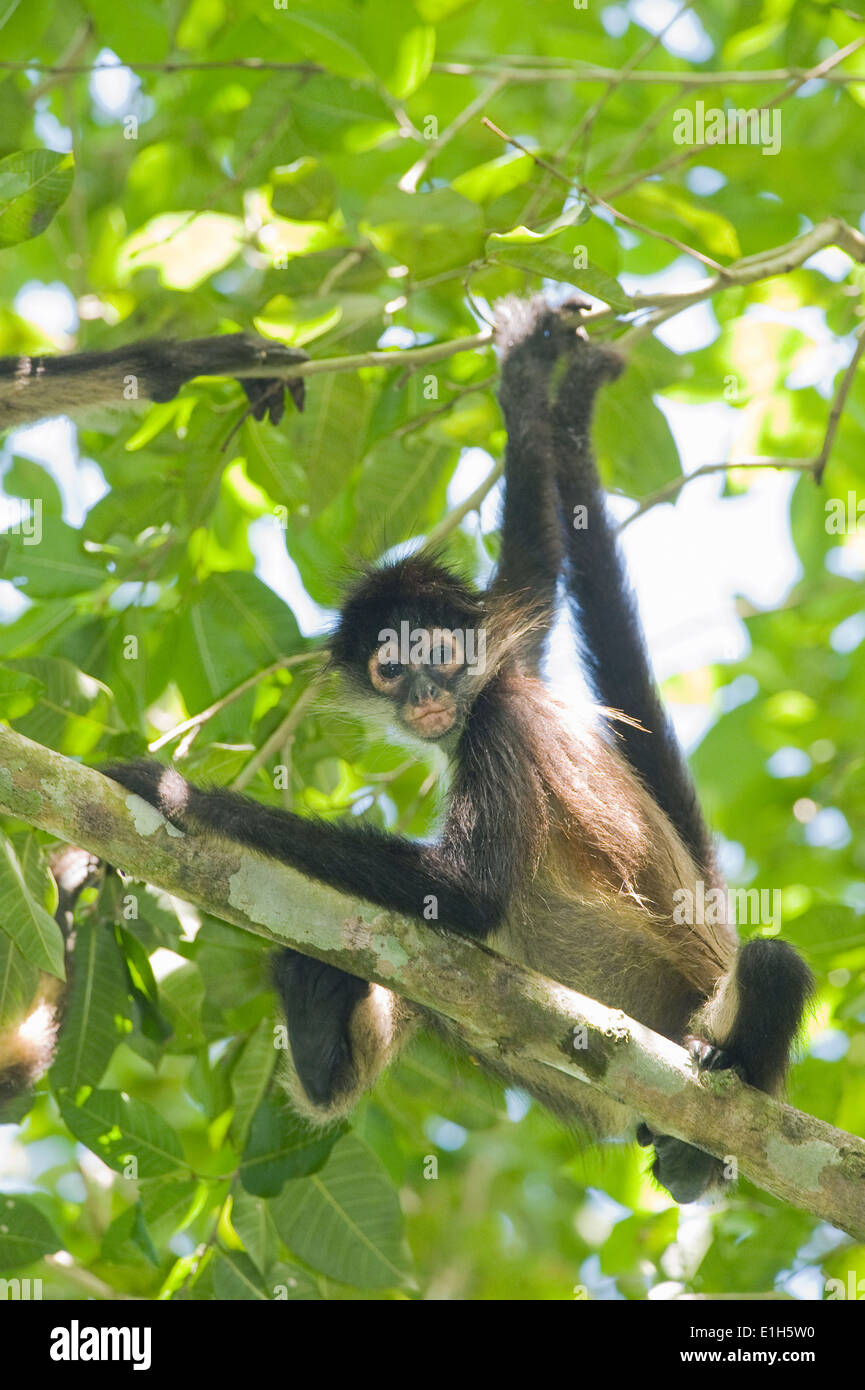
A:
[342,1032]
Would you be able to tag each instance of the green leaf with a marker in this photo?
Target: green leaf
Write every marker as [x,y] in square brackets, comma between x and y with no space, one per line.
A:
[37,875]
[402,489]
[25,1234]
[332,37]
[18,980]
[33,930]
[19,692]
[233,626]
[632,436]
[495,178]
[236,1277]
[282,1146]
[416,50]
[29,480]
[51,564]
[33,185]
[327,440]
[129,1135]
[97,1009]
[73,711]
[558,253]
[346,1220]
[250,1078]
[429,232]
[127,1239]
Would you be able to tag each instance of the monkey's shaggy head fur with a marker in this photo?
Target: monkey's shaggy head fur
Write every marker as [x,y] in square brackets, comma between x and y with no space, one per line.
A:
[419,590]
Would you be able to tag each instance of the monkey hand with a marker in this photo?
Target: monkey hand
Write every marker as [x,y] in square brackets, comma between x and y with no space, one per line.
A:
[546,356]
[261,365]
[531,328]
[156,784]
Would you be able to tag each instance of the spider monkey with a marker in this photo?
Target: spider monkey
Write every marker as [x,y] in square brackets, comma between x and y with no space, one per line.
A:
[563,843]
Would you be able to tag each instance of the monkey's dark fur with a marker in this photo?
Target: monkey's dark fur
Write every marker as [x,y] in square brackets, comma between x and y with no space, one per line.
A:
[563,845]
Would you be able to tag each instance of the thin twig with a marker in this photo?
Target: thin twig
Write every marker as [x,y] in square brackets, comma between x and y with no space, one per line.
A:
[671,490]
[779,260]
[816,466]
[589,72]
[77,45]
[420,421]
[588,120]
[410,180]
[394,357]
[196,721]
[838,405]
[169,65]
[593,198]
[647,128]
[471,504]
[511,72]
[282,736]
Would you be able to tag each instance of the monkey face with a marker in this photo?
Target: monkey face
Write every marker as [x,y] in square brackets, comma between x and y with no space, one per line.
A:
[421,675]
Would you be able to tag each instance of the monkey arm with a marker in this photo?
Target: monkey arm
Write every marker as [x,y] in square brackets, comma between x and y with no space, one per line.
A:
[604,608]
[397,874]
[32,388]
[531,548]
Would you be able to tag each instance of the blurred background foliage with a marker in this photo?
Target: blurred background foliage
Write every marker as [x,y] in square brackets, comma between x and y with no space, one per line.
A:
[191,194]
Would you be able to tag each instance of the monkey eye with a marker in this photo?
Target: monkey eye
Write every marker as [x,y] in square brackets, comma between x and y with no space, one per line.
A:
[384,675]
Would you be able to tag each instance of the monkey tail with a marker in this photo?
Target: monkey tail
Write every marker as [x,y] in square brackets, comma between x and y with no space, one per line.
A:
[751,1021]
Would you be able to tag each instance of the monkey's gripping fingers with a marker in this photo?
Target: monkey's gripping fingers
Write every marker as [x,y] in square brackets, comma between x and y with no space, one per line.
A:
[530,328]
[708,1056]
[267,396]
[547,359]
[684,1171]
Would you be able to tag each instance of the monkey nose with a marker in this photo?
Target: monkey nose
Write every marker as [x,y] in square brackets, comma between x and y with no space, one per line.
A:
[423,691]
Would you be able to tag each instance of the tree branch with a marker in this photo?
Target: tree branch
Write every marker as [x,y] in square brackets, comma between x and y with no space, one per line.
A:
[578,71]
[516,70]
[499,1008]
[670,491]
[778,260]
